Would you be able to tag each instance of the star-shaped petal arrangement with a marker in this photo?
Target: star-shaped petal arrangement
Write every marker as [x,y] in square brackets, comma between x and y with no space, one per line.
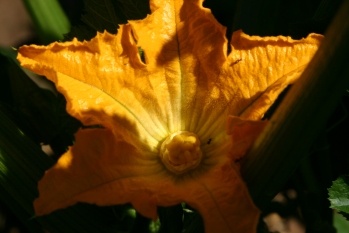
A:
[176,124]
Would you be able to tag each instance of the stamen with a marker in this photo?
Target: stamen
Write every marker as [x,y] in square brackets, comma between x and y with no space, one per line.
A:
[180,152]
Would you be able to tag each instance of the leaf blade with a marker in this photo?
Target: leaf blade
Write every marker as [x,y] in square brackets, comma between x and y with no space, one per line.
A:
[339,194]
[49,19]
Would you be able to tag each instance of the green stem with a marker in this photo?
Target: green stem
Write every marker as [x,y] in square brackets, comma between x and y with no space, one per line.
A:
[295,124]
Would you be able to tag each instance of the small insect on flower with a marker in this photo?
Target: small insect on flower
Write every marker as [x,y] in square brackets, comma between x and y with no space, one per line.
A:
[209,141]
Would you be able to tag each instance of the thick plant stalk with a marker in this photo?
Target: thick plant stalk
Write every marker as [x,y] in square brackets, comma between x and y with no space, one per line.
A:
[301,115]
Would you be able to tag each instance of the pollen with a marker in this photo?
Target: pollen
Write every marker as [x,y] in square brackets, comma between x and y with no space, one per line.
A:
[180,152]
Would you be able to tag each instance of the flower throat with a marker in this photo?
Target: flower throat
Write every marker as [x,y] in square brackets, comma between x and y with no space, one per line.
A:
[180,152]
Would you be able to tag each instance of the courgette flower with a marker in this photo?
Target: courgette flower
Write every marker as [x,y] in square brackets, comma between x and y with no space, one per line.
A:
[176,123]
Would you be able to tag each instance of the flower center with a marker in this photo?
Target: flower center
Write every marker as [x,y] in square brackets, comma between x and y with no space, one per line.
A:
[181,152]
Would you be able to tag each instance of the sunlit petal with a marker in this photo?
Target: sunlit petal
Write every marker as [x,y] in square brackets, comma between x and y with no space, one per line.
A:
[188,85]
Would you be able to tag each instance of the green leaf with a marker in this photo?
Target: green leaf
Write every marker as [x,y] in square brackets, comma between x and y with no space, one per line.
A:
[5,92]
[340,223]
[32,104]
[107,15]
[49,19]
[339,194]
[22,164]
[345,215]
[171,219]
[8,52]
[141,224]
[192,221]
[38,112]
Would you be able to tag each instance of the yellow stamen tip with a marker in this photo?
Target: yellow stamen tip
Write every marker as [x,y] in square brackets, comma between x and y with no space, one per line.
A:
[180,152]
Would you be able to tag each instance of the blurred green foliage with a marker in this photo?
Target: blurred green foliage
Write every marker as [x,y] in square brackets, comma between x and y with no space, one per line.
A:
[339,195]
[49,19]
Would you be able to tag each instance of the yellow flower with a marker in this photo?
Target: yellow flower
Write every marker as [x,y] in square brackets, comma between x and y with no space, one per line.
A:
[175,125]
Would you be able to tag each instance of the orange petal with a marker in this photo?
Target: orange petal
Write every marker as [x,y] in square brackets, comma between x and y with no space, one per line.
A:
[243,133]
[220,196]
[168,93]
[104,82]
[100,170]
[259,68]
[188,82]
